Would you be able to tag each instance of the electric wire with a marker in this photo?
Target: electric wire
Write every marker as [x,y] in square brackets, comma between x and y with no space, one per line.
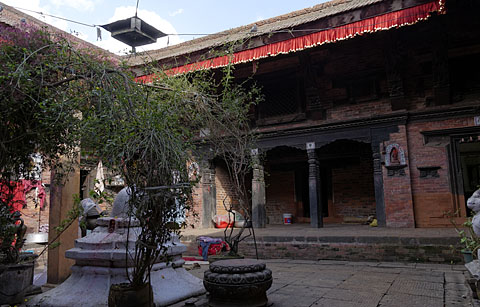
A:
[57,17]
[291,31]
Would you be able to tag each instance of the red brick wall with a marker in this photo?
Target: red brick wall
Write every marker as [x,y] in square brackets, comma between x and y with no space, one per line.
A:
[397,189]
[432,197]
[353,190]
[280,195]
[225,193]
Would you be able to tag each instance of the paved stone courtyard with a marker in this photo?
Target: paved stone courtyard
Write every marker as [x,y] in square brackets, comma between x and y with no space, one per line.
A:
[357,284]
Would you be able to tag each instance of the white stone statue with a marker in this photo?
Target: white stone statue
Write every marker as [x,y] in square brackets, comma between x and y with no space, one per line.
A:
[474,204]
[120,204]
[101,260]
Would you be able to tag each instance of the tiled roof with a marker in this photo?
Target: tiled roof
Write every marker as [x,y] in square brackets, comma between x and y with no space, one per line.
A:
[285,21]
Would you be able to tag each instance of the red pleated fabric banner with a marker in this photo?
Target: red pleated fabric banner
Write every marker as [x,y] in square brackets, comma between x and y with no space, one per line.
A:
[386,21]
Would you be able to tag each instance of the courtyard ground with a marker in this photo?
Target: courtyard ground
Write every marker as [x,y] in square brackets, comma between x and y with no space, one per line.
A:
[312,282]
[358,284]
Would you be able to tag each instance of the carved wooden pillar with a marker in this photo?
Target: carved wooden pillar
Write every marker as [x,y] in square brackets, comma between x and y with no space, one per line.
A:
[378,182]
[209,193]
[316,216]
[395,62]
[259,215]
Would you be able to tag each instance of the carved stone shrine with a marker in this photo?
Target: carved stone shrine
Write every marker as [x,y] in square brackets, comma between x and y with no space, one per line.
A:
[100,260]
[237,282]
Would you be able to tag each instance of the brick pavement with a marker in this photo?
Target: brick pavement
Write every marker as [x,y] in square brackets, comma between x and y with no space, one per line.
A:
[357,284]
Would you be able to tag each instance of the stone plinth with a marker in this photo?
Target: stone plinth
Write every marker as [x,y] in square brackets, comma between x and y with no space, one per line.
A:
[238,282]
[100,260]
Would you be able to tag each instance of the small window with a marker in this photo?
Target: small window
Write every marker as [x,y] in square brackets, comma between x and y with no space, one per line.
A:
[282,97]
[363,89]
[360,89]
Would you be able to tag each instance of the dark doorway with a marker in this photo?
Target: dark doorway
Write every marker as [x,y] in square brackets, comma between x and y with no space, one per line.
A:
[286,181]
[346,173]
[470,165]
[301,189]
[84,193]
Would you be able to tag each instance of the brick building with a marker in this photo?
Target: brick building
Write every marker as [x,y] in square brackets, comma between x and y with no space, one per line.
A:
[371,109]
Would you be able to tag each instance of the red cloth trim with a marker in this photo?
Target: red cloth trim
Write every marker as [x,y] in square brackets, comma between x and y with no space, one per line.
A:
[387,21]
[21,188]
[214,248]
[31,184]
[18,199]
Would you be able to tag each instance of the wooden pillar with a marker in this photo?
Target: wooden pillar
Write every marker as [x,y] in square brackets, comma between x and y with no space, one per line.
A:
[209,193]
[62,201]
[259,215]
[316,215]
[378,183]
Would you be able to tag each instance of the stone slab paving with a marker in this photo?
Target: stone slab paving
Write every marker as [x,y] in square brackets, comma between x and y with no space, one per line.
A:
[344,284]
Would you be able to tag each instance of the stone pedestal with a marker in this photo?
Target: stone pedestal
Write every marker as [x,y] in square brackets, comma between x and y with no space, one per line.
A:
[237,282]
[473,268]
[101,260]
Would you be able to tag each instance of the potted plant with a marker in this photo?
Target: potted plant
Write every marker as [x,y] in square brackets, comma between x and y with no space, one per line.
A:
[154,129]
[16,268]
[225,116]
[148,145]
[468,238]
[232,141]
[470,241]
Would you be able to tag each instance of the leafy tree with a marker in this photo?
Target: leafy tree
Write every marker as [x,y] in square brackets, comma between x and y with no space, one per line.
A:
[57,97]
[45,82]
[215,110]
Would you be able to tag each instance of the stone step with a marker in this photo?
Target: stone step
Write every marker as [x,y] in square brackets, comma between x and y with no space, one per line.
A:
[349,248]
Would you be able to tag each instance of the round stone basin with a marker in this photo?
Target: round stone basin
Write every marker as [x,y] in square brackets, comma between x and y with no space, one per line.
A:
[238,282]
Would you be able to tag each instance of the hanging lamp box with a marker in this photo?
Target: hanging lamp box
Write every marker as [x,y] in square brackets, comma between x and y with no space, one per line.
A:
[133,31]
